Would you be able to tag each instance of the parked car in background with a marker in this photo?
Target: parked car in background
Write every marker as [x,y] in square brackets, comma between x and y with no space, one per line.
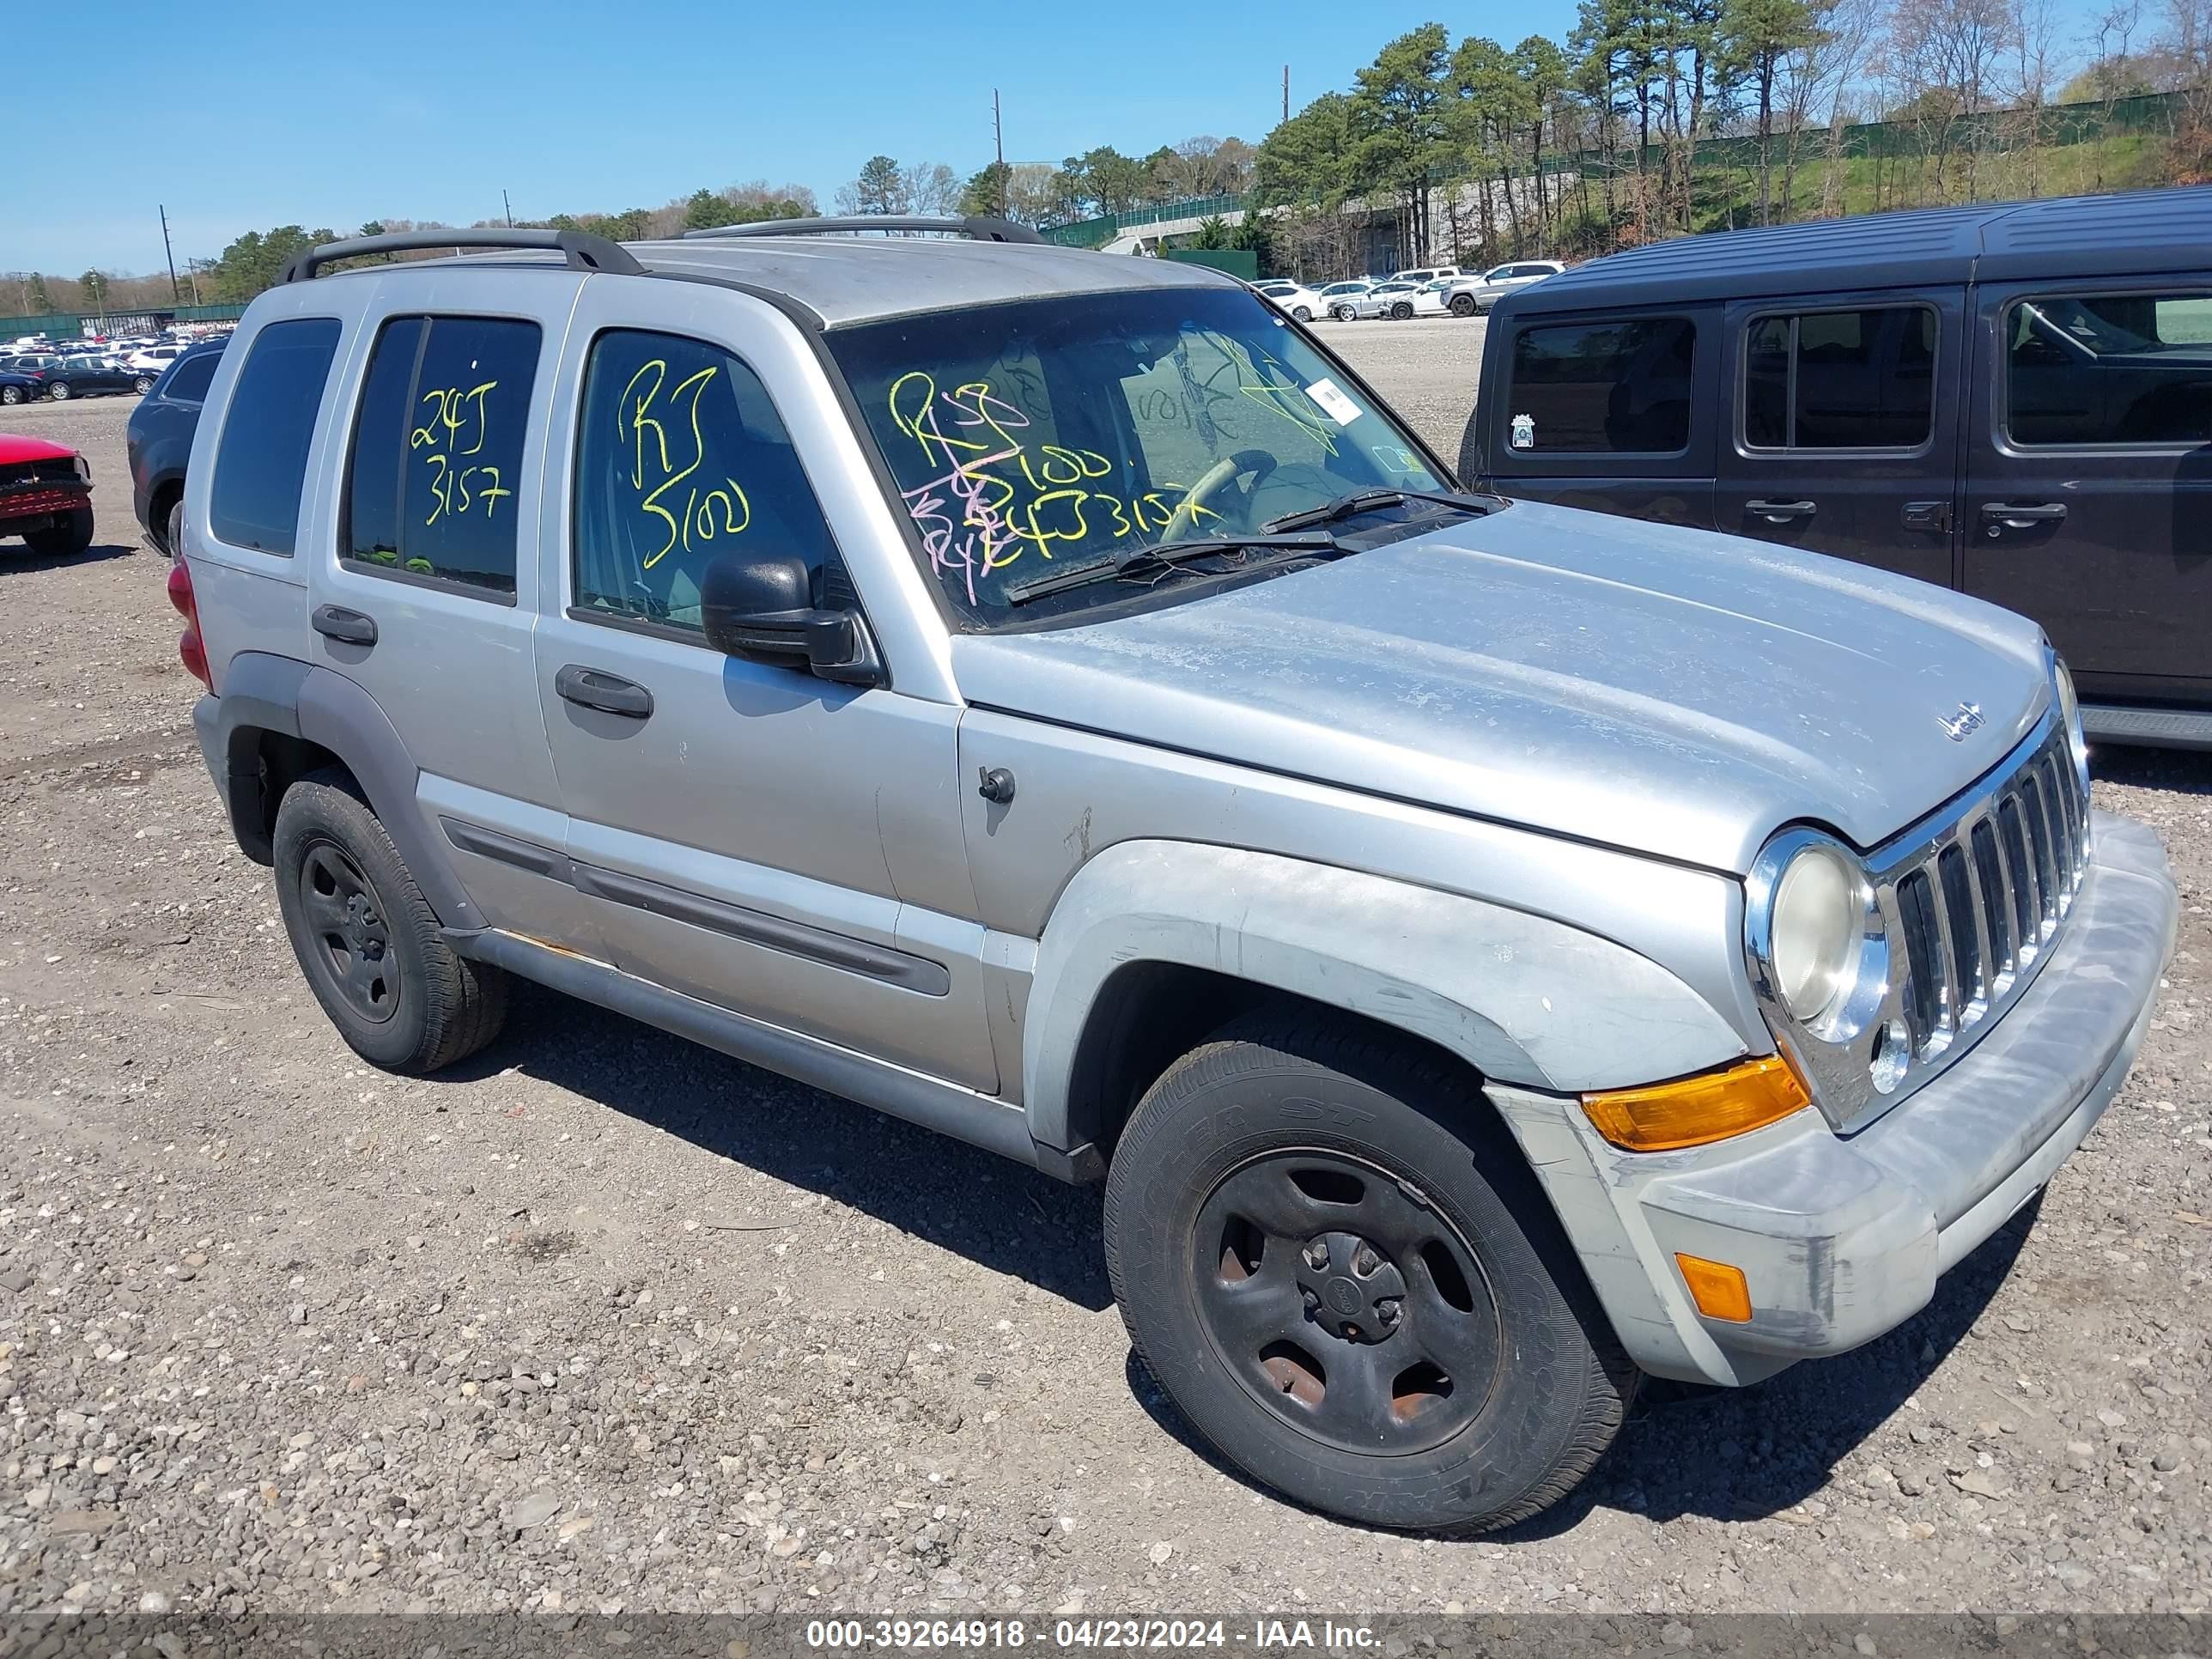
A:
[31,362]
[1473,295]
[1340,300]
[1390,298]
[157,358]
[1292,299]
[2013,401]
[88,377]
[16,388]
[159,442]
[1425,275]
[45,495]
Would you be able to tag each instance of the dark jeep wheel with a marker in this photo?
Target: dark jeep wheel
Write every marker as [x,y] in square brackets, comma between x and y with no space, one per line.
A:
[1328,1251]
[64,540]
[367,940]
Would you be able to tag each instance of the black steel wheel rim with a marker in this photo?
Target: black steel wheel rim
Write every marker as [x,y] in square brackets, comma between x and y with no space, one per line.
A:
[1345,1301]
[349,935]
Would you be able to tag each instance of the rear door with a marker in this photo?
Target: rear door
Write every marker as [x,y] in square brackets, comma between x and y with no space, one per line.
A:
[1614,411]
[417,595]
[1844,437]
[2088,498]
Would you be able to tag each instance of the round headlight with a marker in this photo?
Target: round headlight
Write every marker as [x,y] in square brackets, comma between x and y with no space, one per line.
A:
[1818,918]
[2070,710]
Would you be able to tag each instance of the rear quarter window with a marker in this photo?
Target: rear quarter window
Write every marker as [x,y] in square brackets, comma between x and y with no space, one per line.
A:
[261,463]
[1617,386]
[189,383]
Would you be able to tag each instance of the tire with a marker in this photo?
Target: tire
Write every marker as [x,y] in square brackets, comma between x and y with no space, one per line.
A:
[11,394]
[1442,1191]
[173,530]
[143,385]
[367,940]
[64,541]
[1462,305]
[1303,313]
[58,392]
[1402,311]
[1345,314]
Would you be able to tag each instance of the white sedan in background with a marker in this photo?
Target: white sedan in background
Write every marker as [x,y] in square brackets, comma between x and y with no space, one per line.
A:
[1292,299]
[1386,299]
[1341,300]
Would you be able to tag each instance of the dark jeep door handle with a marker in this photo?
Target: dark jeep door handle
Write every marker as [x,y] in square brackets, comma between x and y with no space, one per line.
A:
[610,694]
[2014,515]
[335,621]
[1781,511]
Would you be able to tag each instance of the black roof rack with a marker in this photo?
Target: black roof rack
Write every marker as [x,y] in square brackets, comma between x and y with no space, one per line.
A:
[975,226]
[585,250]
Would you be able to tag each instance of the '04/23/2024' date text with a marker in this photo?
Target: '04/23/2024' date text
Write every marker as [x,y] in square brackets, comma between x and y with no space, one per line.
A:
[1258,1635]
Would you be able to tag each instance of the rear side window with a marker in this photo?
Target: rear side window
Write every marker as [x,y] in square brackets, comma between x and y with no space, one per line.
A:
[682,460]
[1840,380]
[1619,387]
[437,451]
[2126,370]
[261,465]
[188,384]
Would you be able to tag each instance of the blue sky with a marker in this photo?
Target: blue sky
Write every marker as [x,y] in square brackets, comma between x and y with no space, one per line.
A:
[256,113]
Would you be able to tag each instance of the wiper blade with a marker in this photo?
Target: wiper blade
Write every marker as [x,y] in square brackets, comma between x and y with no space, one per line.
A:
[1370,500]
[1161,556]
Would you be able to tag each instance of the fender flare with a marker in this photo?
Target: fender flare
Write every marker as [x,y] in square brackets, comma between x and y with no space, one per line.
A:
[1521,998]
[262,692]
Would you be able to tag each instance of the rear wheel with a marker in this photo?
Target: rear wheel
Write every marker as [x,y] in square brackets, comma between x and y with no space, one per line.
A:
[58,392]
[368,941]
[64,540]
[143,385]
[1462,305]
[1329,1253]
[174,530]
[1303,314]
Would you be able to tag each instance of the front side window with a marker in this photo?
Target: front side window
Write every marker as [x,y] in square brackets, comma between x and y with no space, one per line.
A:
[1029,437]
[682,460]
[1840,380]
[2130,370]
[437,451]
[1619,387]
[261,464]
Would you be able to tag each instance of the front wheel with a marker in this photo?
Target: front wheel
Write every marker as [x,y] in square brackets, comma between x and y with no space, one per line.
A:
[1400,312]
[1303,314]
[64,540]
[1344,313]
[58,392]
[1328,1251]
[11,394]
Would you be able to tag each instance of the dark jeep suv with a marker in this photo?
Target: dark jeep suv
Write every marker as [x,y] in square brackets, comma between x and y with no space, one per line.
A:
[159,441]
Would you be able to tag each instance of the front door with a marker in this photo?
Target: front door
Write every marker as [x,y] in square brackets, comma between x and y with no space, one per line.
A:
[2088,499]
[750,834]
[1845,428]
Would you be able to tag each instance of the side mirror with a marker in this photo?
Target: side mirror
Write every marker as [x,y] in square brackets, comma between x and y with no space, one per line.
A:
[761,607]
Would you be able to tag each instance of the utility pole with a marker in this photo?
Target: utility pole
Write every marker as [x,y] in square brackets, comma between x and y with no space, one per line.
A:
[168,252]
[999,150]
[1286,92]
[509,209]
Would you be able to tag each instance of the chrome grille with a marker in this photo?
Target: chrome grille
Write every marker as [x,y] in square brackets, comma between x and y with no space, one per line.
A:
[1970,899]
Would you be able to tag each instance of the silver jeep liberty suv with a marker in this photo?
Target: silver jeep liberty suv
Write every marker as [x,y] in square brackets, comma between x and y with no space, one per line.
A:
[1489,952]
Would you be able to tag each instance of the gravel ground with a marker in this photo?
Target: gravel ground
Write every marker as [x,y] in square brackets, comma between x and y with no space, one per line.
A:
[602,1320]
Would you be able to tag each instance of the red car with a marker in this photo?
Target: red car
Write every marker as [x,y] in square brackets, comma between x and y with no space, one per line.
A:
[45,495]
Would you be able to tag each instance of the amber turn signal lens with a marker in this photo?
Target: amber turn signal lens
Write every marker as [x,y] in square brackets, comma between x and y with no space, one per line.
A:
[1693,1110]
[1718,1289]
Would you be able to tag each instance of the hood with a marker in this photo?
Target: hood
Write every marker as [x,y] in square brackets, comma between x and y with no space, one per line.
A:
[13,448]
[1670,691]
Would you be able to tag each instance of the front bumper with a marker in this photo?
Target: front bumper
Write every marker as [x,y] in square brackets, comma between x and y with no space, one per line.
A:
[1842,1237]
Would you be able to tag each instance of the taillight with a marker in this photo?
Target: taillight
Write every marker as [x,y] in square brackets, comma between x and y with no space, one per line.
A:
[190,650]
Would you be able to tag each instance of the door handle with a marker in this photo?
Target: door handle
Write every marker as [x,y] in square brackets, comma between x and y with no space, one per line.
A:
[1927,515]
[337,623]
[1781,511]
[610,694]
[2014,515]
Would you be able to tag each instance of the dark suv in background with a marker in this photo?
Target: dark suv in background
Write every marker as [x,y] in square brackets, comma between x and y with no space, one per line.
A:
[159,441]
[2013,401]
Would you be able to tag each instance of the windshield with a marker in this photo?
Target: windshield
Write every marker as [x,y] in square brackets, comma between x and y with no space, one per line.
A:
[1029,437]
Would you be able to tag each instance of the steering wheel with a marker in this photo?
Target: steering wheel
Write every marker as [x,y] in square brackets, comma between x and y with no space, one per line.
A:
[1183,524]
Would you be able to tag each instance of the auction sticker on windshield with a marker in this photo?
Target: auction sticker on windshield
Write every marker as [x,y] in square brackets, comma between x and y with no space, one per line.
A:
[1338,407]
